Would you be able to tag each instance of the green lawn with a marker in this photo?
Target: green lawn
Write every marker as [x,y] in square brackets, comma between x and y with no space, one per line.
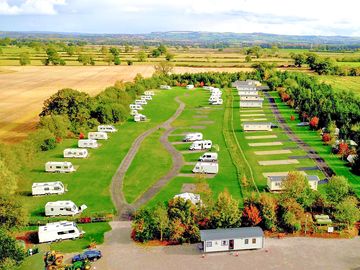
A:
[314,140]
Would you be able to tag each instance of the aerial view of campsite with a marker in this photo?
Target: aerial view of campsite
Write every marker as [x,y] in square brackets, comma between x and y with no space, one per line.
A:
[179,135]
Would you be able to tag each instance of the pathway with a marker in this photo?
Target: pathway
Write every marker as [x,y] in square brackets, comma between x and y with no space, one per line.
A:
[124,209]
[320,162]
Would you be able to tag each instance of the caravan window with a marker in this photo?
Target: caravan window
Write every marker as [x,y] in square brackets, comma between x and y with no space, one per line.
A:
[224,242]
[209,244]
[246,241]
[74,207]
[56,188]
[46,189]
[254,240]
[68,209]
[58,167]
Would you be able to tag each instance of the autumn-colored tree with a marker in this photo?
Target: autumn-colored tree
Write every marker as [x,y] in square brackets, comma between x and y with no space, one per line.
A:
[292,118]
[285,97]
[326,137]
[161,219]
[347,211]
[314,122]
[292,215]
[81,136]
[268,206]
[251,216]
[343,149]
[177,230]
[226,211]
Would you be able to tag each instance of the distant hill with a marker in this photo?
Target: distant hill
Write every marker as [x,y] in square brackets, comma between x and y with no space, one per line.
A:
[194,38]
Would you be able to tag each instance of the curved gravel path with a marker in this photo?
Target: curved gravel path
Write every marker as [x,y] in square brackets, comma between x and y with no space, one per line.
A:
[124,209]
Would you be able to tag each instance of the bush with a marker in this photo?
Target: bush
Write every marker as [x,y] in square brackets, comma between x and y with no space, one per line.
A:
[48,144]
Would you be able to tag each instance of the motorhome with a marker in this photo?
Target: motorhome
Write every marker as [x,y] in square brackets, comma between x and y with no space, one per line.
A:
[189,137]
[140,102]
[133,112]
[206,167]
[57,231]
[149,93]
[97,135]
[48,188]
[201,145]
[63,208]
[208,157]
[165,87]
[190,86]
[139,118]
[75,153]
[136,107]
[146,97]
[86,143]
[107,128]
[61,167]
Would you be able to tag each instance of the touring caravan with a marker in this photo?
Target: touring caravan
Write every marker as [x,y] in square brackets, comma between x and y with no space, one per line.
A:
[201,145]
[146,97]
[107,128]
[57,231]
[86,143]
[209,157]
[149,93]
[165,87]
[97,135]
[190,137]
[75,153]
[62,167]
[206,167]
[139,118]
[48,188]
[140,102]
[190,86]
[213,98]
[135,107]
[133,112]
[63,208]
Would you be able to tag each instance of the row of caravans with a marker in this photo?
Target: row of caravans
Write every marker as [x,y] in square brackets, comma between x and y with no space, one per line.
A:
[138,105]
[249,95]
[215,98]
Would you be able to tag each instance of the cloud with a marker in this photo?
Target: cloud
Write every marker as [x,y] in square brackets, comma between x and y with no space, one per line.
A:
[34,7]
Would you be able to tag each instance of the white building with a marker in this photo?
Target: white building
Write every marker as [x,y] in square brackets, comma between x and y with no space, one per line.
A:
[63,208]
[190,86]
[87,143]
[251,98]
[206,167]
[251,103]
[165,87]
[137,107]
[149,93]
[257,126]
[62,167]
[275,183]
[201,145]
[187,196]
[107,128]
[232,239]
[97,135]
[139,118]
[75,153]
[48,188]
[248,93]
[57,231]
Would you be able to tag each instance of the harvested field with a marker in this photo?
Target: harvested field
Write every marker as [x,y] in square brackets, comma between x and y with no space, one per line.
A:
[278,162]
[266,144]
[260,137]
[274,152]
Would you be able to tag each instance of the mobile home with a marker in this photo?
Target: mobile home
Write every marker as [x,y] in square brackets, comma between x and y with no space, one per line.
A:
[146,97]
[107,128]
[251,98]
[62,167]
[86,143]
[214,98]
[63,208]
[75,153]
[274,183]
[206,167]
[257,126]
[133,112]
[97,135]
[251,103]
[140,102]
[190,137]
[48,188]
[201,145]
[139,118]
[208,157]
[149,93]
[190,86]
[232,239]
[187,196]
[57,231]
[135,107]
[165,87]
[248,93]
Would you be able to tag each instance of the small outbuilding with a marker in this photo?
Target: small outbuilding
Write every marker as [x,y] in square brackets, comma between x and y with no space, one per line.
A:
[257,126]
[232,239]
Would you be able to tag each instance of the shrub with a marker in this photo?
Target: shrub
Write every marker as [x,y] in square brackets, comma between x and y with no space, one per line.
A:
[48,144]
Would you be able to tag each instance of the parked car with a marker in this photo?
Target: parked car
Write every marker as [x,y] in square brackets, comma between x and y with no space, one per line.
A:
[91,255]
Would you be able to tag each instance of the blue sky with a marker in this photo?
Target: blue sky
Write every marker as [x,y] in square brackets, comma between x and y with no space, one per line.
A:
[305,17]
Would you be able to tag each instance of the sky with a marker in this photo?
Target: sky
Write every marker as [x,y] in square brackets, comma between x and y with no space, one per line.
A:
[302,17]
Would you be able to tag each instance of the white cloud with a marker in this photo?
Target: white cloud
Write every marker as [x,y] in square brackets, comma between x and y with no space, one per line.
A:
[37,7]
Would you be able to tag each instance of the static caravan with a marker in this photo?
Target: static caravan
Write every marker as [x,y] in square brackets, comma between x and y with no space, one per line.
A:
[217,102]
[87,143]
[165,87]
[253,82]
[252,98]
[206,167]
[208,157]
[248,93]
[135,107]
[190,137]
[246,88]
[97,135]
[140,102]
[187,196]
[133,112]
[232,239]
[213,98]
[48,188]
[251,103]
[149,93]
[257,126]
[139,118]
[146,97]
[61,167]
[75,153]
[201,145]
[107,128]
[63,208]
[190,86]
[57,231]
[274,183]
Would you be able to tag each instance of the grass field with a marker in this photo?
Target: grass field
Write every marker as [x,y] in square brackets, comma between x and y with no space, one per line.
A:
[348,83]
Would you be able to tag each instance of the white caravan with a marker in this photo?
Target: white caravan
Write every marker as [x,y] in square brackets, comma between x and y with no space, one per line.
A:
[201,145]
[57,231]
[86,143]
[63,208]
[190,86]
[149,93]
[133,112]
[146,97]
[190,137]
[209,157]
[140,102]
[48,188]
[139,118]
[62,167]
[206,167]
[135,107]
[107,128]
[213,98]
[165,87]
[75,153]
[217,102]
[97,135]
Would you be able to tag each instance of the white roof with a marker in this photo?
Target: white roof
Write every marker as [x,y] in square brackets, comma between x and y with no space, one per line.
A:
[75,149]
[87,140]
[194,198]
[106,126]
[97,132]
[58,163]
[54,226]
[61,203]
[46,184]
[208,164]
